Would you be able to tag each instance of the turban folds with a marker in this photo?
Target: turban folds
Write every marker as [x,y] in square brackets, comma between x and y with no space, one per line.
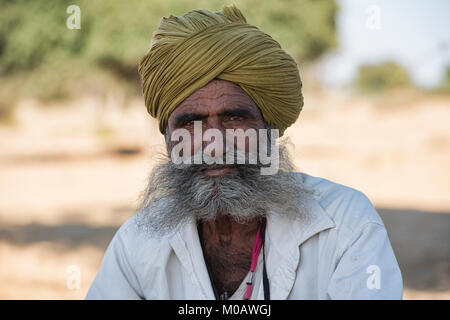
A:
[189,51]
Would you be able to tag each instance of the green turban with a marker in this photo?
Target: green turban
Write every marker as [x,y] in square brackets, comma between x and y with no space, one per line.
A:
[189,51]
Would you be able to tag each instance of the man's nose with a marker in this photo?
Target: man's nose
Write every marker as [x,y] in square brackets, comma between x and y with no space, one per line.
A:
[213,122]
[216,141]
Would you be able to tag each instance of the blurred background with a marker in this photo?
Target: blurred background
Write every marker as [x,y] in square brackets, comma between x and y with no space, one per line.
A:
[76,142]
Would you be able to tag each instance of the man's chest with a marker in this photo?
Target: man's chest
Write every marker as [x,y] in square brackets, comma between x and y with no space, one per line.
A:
[227,266]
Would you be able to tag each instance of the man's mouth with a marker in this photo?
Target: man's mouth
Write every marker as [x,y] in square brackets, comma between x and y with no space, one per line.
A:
[217,171]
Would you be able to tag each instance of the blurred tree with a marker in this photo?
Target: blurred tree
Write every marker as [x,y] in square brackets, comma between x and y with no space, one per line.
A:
[36,47]
[34,32]
[381,77]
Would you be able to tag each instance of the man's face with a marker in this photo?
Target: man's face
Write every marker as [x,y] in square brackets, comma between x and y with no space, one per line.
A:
[175,193]
[218,105]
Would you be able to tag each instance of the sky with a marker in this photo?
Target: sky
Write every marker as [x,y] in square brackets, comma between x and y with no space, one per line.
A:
[413,33]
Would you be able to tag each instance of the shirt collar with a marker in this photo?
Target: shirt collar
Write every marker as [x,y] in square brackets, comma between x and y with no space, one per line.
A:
[283,229]
[285,235]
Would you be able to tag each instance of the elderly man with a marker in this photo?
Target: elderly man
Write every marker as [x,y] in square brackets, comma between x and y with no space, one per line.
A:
[225,230]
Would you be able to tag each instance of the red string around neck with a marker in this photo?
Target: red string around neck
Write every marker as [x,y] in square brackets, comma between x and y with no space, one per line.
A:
[256,250]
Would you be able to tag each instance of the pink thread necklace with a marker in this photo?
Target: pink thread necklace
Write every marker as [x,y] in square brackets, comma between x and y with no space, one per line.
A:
[256,250]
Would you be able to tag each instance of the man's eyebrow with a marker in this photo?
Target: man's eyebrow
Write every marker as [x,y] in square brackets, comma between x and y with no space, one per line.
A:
[236,112]
[187,117]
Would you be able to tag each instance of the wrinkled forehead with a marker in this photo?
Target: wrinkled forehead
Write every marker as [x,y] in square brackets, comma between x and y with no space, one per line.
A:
[215,97]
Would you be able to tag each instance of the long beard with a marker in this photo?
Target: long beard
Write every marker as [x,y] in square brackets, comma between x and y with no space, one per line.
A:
[175,194]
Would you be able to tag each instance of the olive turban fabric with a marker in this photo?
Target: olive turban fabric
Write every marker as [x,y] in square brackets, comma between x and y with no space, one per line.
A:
[189,51]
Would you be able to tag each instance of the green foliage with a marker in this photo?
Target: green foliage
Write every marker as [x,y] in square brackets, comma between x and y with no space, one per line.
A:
[381,77]
[44,59]
[33,33]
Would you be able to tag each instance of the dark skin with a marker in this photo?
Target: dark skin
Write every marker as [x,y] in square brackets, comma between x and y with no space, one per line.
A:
[228,249]
[227,245]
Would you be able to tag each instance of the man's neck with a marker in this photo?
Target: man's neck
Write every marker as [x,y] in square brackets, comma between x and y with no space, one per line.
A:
[227,248]
[225,231]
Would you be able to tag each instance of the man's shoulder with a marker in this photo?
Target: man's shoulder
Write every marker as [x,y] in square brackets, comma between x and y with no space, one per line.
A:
[349,208]
[133,234]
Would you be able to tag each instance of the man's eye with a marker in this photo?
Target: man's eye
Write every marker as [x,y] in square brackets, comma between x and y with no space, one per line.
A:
[235,118]
[189,123]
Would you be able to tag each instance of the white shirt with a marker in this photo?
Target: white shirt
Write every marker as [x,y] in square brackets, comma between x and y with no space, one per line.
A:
[340,251]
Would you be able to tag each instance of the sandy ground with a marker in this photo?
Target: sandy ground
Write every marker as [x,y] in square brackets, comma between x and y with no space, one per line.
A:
[69,177]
